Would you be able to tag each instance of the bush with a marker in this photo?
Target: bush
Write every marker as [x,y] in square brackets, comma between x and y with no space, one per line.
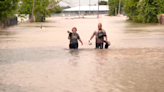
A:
[144,11]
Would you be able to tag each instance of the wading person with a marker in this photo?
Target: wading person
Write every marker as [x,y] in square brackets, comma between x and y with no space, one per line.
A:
[74,37]
[100,35]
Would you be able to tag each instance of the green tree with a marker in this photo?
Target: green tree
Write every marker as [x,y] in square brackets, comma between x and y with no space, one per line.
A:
[103,3]
[144,11]
[26,7]
[130,7]
[41,11]
[148,11]
[114,6]
[57,9]
[7,9]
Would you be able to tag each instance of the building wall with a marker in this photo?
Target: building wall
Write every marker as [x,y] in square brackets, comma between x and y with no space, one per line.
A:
[76,13]
[84,12]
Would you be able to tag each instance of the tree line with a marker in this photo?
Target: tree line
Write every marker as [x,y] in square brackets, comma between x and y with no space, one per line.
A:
[7,9]
[43,8]
[142,11]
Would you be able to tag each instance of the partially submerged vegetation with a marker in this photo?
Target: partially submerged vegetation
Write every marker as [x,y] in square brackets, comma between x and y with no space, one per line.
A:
[42,9]
[142,11]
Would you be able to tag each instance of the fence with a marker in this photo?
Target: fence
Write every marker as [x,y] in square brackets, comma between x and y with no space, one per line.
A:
[73,14]
[12,21]
[9,22]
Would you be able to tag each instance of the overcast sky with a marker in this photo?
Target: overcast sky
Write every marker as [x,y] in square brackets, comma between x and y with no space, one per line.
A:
[82,2]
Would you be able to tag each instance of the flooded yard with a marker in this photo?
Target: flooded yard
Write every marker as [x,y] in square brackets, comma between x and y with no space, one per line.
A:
[38,60]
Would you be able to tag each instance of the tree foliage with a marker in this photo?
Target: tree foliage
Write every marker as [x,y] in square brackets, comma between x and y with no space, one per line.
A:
[57,9]
[7,9]
[144,11]
[103,3]
[26,7]
[130,7]
[114,6]
[42,8]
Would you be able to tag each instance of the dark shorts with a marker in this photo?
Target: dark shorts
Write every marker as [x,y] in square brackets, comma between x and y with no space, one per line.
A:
[73,46]
[99,45]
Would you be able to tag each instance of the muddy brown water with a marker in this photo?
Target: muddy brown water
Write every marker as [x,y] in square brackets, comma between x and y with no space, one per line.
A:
[38,60]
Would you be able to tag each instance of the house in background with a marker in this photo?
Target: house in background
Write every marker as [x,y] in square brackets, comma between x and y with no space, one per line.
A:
[103,9]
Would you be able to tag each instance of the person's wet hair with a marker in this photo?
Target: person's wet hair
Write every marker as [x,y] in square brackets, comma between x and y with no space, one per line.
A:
[74,28]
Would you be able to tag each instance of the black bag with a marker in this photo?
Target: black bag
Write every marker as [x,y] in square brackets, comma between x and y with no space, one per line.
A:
[70,34]
[107,44]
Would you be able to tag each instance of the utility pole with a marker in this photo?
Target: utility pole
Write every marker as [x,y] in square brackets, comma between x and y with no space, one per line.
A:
[119,8]
[98,10]
[79,8]
[89,6]
[33,11]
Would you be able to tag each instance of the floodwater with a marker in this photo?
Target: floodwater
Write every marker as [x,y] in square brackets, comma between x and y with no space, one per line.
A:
[38,60]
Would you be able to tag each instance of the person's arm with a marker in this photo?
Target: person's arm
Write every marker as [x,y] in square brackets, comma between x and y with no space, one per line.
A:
[78,37]
[92,36]
[81,41]
[69,37]
[106,38]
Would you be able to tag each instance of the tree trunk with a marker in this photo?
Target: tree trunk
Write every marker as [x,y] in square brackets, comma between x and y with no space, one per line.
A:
[119,8]
[32,19]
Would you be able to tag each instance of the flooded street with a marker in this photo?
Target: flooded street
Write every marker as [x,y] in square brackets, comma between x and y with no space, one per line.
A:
[38,60]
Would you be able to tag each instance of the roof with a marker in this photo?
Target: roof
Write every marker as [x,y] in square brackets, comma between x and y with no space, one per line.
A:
[88,8]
